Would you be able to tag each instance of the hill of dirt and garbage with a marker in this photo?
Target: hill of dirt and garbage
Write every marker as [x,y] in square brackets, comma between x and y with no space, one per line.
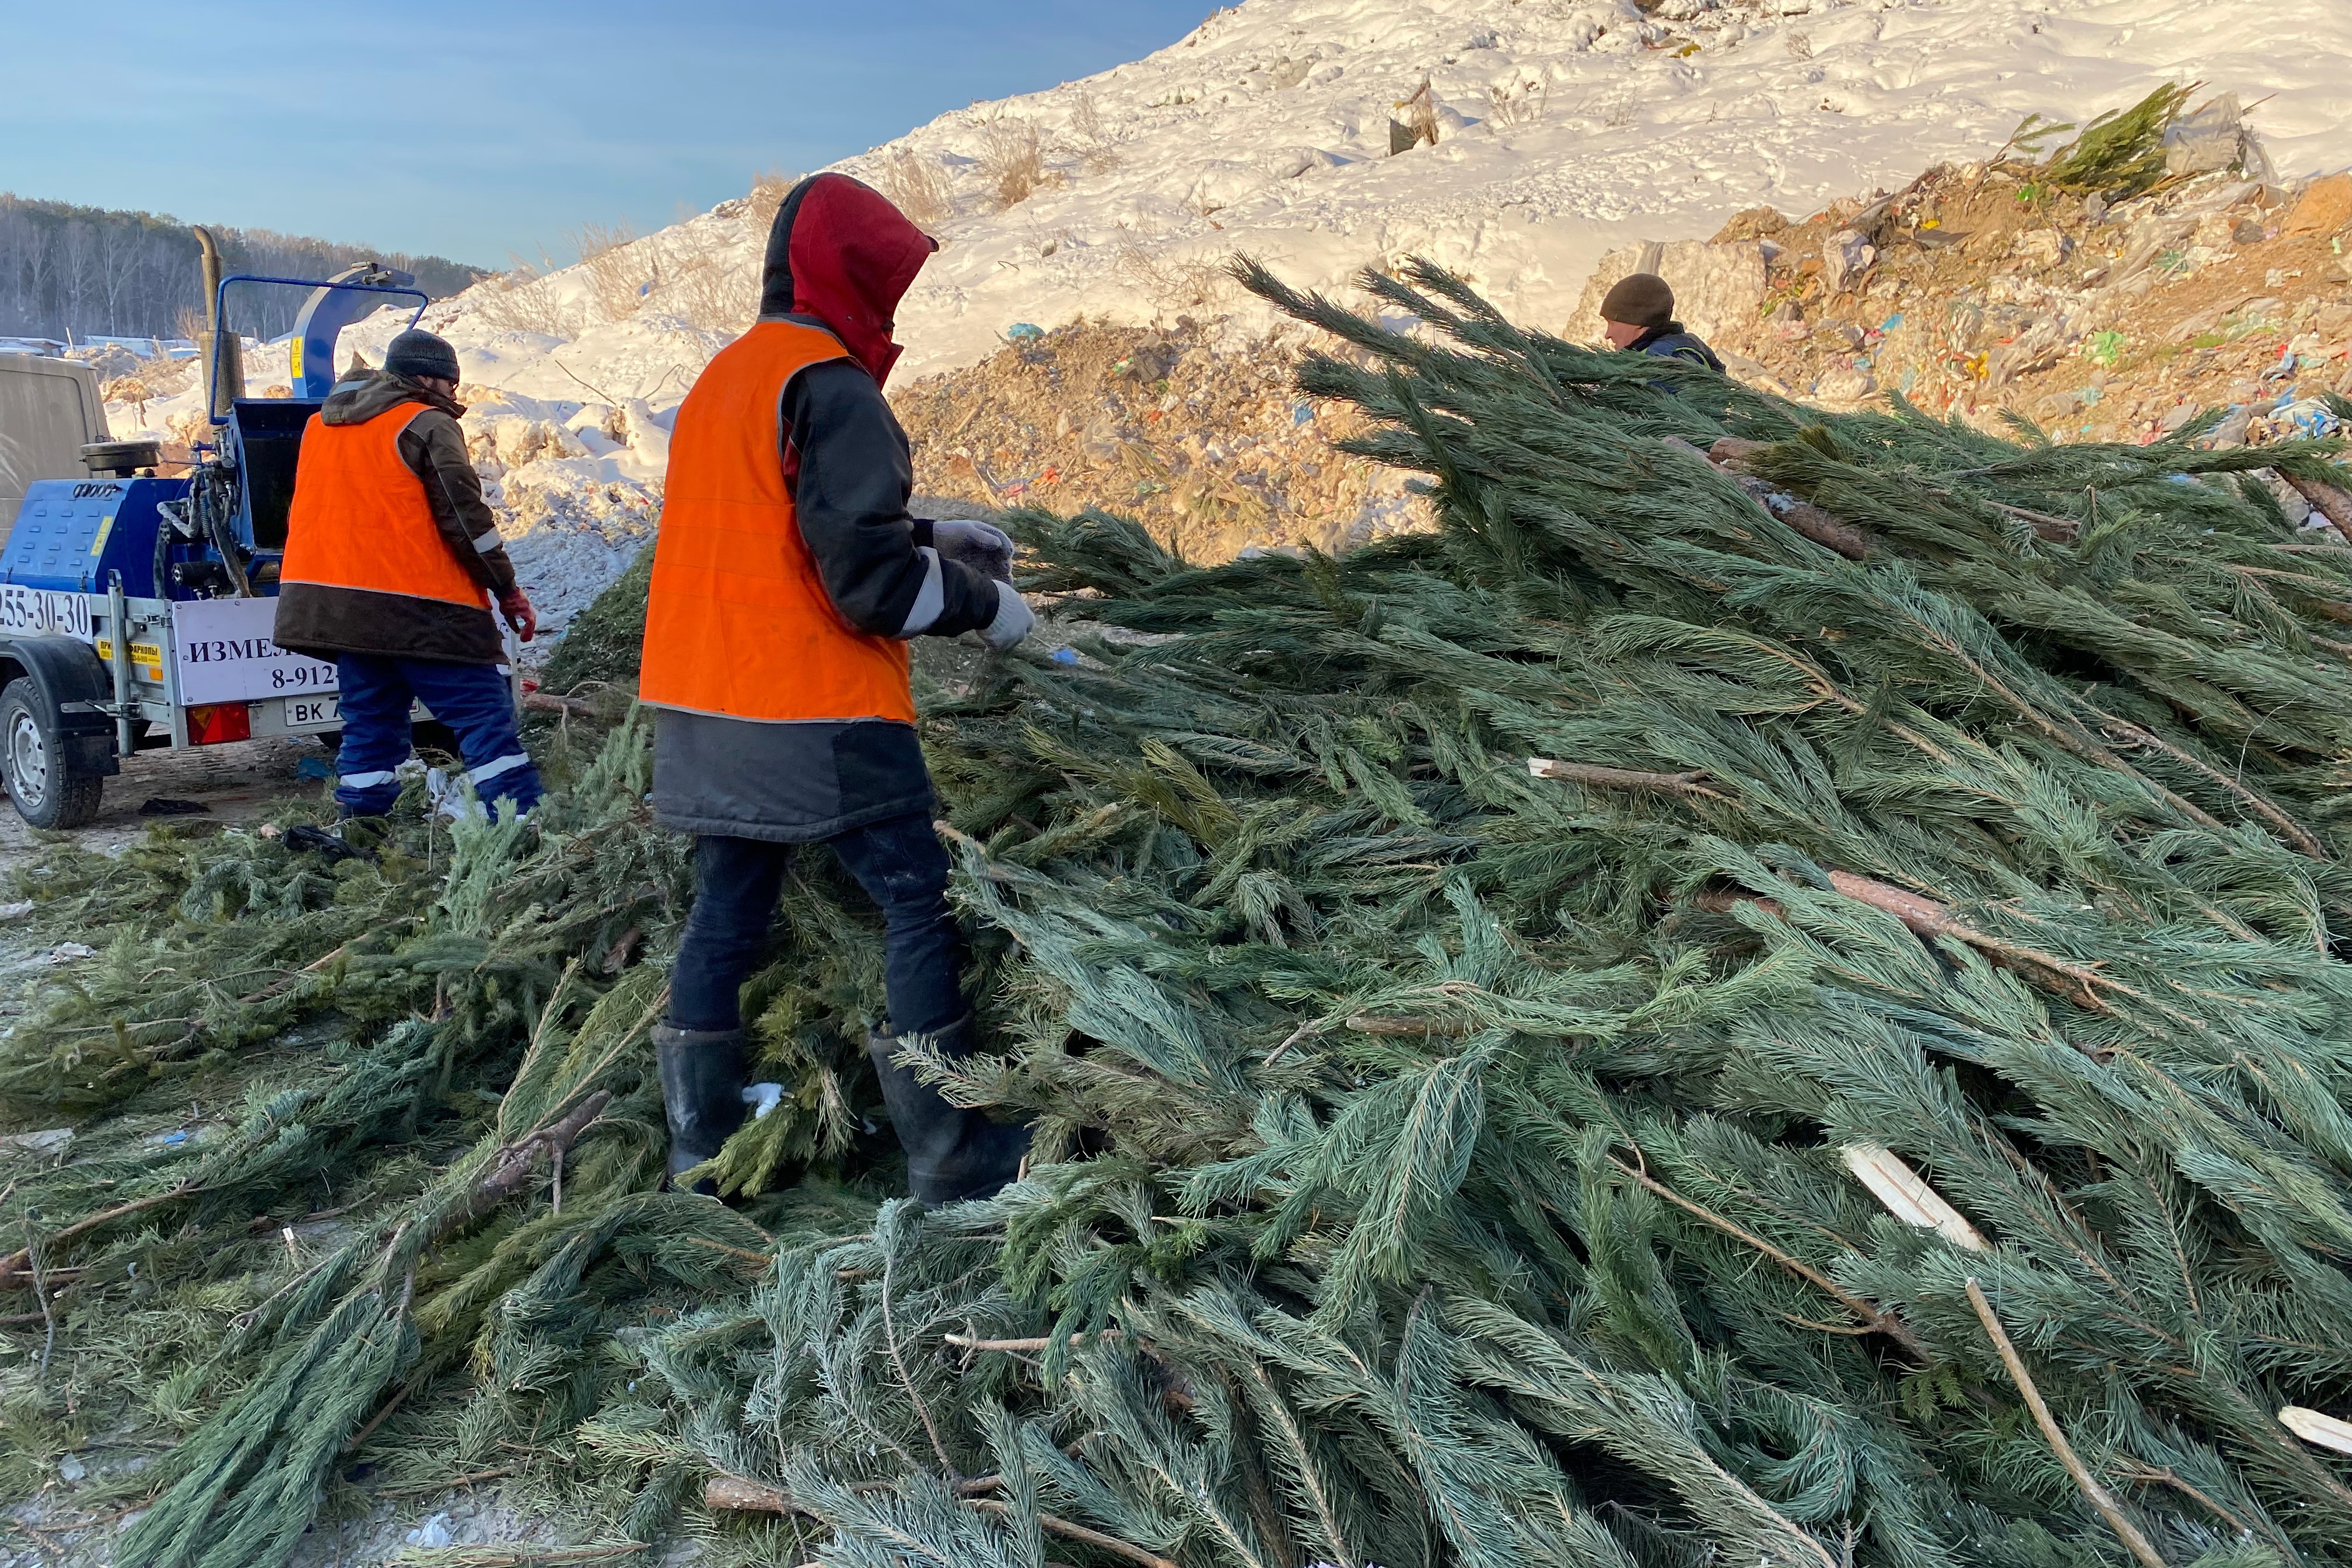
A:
[1993,292]
[1195,430]
[1978,291]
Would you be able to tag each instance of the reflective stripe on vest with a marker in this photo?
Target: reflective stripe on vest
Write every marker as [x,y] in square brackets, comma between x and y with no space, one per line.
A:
[360,518]
[737,622]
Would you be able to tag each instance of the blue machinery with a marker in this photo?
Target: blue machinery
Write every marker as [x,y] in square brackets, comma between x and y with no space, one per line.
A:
[219,529]
[121,550]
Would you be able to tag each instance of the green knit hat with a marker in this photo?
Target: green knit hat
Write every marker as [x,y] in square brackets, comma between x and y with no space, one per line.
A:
[1639,300]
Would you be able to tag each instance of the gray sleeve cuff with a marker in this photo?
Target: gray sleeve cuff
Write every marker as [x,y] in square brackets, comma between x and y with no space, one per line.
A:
[929,599]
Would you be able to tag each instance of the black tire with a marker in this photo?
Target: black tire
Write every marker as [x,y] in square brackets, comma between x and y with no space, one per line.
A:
[45,790]
[329,741]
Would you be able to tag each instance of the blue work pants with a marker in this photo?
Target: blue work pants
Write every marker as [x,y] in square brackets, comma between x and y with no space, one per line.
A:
[474,700]
[899,863]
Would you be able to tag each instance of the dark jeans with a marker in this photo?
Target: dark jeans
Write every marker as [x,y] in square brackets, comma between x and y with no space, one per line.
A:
[473,699]
[899,863]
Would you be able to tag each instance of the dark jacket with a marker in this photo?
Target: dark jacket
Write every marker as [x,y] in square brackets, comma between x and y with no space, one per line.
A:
[850,472]
[322,622]
[1673,341]
[839,257]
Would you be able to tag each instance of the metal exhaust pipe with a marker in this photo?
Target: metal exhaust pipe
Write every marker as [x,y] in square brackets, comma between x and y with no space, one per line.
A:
[223,354]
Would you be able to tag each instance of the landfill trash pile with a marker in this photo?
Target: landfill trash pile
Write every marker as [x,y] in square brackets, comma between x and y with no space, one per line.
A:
[1196,430]
[2105,295]
[1766,993]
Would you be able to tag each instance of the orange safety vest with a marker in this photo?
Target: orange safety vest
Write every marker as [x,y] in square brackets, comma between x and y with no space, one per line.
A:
[737,622]
[360,518]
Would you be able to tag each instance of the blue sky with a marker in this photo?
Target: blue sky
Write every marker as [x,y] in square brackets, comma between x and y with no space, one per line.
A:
[477,130]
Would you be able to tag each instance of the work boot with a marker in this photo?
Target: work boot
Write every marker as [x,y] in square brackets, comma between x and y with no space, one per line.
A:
[953,1153]
[702,1092]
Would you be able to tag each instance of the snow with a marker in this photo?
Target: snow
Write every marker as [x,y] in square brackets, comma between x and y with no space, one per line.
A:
[1566,127]
[1652,126]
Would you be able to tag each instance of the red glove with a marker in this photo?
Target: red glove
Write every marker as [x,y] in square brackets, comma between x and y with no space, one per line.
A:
[515,605]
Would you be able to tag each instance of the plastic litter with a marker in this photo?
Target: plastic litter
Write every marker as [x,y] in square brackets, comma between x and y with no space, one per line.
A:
[315,840]
[2214,137]
[763,1097]
[433,1534]
[48,1141]
[1024,331]
[1064,655]
[2309,416]
[314,768]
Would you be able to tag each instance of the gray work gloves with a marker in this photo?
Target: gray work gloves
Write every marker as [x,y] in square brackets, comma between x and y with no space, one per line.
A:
[982,546]
[988,549]
[1012,620]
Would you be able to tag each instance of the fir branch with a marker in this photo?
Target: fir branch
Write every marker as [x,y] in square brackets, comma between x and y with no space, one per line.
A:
[1874,1319]
[2100,1498]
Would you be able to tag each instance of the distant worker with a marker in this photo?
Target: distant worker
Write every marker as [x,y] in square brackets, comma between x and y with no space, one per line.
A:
[393,558]
[788,579]
[1638,316]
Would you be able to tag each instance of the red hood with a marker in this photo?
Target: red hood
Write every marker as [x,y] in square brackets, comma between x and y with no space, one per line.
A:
[839,251]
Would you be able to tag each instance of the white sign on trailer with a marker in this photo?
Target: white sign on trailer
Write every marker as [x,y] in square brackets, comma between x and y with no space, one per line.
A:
[225,653]
[43,612]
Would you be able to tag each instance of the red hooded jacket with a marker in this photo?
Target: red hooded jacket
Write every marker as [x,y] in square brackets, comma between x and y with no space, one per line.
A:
[840,252]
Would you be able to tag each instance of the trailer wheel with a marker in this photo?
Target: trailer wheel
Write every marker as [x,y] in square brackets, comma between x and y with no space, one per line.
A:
[46,788]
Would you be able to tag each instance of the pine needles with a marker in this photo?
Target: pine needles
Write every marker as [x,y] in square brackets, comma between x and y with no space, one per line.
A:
[1438,1160]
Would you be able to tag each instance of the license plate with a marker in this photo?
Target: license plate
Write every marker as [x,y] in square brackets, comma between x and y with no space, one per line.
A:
[312,712]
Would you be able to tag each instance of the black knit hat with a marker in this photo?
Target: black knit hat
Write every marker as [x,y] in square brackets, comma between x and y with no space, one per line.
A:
[416,354]
[1639,300]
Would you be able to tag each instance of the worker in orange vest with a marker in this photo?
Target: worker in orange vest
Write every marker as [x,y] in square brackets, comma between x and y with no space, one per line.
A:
[393,558]
[788,578]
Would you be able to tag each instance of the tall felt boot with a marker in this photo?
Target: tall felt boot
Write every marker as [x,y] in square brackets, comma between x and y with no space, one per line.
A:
[952,1152]
[702,1091]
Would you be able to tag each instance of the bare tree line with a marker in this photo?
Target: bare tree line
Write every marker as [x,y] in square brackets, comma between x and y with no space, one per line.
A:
[69,272]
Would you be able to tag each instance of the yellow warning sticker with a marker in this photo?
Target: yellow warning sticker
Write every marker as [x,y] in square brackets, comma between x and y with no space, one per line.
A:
[146,656]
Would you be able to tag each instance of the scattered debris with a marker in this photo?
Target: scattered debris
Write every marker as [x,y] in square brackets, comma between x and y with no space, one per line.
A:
[1194,431]
[48,1141]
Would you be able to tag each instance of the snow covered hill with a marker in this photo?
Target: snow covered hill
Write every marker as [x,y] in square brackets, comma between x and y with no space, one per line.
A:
[1563,128]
